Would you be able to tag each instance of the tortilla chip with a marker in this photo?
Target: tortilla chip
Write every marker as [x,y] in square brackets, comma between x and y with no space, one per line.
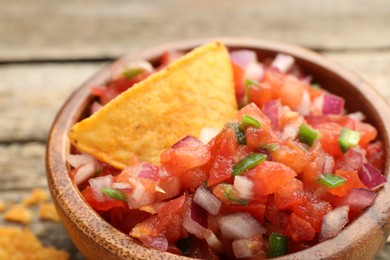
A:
[195,91]
[2,206]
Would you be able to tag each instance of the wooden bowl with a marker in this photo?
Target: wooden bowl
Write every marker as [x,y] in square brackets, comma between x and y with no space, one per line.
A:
[97,239]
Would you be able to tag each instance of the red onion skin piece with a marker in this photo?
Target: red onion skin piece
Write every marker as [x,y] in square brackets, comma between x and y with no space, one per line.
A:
[272,109]
[371,177]
[332,104]
[243,58]
[198,214]
[333,222]
[148,171]
[207,201]
[187,141]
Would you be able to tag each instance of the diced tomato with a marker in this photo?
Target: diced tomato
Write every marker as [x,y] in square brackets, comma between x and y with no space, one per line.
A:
[292,92]
[160,230]
[223,160]
[125,219]
[100,205]
[291,195]
[292,154]
[171,185]
[313,211]
[274,78]
[260,94]
[258,137]
[352,160]
[269,177]
[178,160]
[330,133]
[193,179]
[277,217]
[239,83]
[299,229]
[375,154]
[254,111]
[352,182]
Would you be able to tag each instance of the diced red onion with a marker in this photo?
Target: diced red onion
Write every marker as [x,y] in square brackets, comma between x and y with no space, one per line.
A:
[98,183]
[283,62]
[328,163]
[214,243]
[243,58]
[95,107]
[188,141]
[333,222]
[84,172]
[272,109]
[244,187]
[254,71]
[207,201]
[332,104]
[371,177]
[198,214]
[120,186]
[358,116]
[239,225]
[208,133]
[243,248]
[138,189]
[358,199]
[304,106]
[148,171]
[317,105]
[76,160]
[193,226]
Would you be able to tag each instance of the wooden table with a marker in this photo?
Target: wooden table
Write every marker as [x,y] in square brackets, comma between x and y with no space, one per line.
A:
[48,48]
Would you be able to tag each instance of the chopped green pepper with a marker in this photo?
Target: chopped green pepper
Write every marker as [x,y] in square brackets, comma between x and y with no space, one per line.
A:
[348,139]
[114,194]
[249,121]
[132,72]
[277,244]
[231,194]
[248,162]
[331,180]
[307,134]
[240,134]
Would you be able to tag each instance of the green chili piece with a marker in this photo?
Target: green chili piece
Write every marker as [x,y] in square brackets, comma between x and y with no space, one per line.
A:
[132,72]
[348,139]
[232,195]
[248,162]
[277,244]
[240,134]
[331,180]
[114,194]
[249,121]
[307,134]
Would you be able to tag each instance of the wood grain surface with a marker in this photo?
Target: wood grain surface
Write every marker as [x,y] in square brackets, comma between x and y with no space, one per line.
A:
[48,48]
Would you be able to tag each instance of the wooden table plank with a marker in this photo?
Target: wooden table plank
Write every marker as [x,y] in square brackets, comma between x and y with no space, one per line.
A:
[77,29]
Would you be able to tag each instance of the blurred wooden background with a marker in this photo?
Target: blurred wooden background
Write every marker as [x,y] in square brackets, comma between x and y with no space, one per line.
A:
[49,47]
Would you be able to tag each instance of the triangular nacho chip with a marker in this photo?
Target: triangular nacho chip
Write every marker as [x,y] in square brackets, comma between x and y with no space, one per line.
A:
[194,92]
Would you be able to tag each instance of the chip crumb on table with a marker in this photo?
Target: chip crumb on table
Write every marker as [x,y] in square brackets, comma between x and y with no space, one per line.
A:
[2,206]
[17,243]
[47,211]
[19,213]
[36,196]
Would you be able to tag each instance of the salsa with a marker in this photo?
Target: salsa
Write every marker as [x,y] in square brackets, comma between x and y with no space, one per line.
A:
[290,171]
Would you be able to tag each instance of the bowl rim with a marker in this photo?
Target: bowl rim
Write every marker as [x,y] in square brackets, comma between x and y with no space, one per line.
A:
[376,218]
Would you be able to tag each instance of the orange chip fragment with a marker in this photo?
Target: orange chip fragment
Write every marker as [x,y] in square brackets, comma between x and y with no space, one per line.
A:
[47,211]
[16,243]
[19,213]
[37,196]
[194,92]
[2,206]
